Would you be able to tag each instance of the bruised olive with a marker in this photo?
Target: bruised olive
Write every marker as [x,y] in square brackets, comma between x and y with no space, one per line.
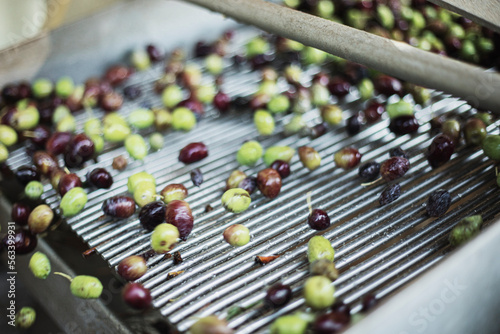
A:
[309,157]
[164,237]
[111,101]
[269,182]
[325,268]
[237,235]
[318,220]
[174,191]
[117,74]
[369,171]
[152,215]
[234,179]
[119,207]
[438,203]
[193,152]
[236,200]
[474,131]
[179,214]
[132,267]
[196,177]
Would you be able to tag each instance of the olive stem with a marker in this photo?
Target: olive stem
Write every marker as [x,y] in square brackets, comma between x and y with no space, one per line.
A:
[64,275]
[309,202]
[370,183]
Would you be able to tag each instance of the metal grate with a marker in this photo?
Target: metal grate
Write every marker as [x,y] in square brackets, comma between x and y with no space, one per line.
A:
[378,250]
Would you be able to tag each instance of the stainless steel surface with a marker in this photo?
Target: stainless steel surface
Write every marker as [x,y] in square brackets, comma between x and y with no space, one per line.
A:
[378,250]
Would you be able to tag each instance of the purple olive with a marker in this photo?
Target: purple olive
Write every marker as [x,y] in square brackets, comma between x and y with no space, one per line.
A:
[26,174]
[137,296]
[440,150]
[152,214]
[282,167]
[394,168]
[278,295]
[193,152]
[68,182]
[20,213]
[119,207]
[100,178]
[58,143]
[318,220]
[80,149]
[179,214]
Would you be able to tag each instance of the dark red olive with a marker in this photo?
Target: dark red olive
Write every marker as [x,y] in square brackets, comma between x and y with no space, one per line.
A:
[390,194]
[202,49]
[154,53]
[136,296]
[322,78]
[119,207]
[23,241]
[132,267]
[132,92]
[179,214]
[152,214]
[111,101]
[282,167]
[398,152]
[369,171]
[339,87]
[318,130]
[438,203]
[196,177]
[340,306]
[318,220]
[260,61]
[440,150]
[41,134]
[331,322]
[26,174]
[117,74]
[354,123]
[348,157]
[193,152]
[269,182]
[374,111]
[222,101]
[403,125]
[58,143]
[369,302]
[394,167]
[278,295]
[45,162]
[10,93]
[20,213]
[100,178]
[194,105]
[68,182]
[249,184]
[388,86]
[80,149]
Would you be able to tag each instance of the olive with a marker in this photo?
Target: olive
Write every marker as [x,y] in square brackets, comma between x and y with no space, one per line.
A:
[319,248]
[136,146]
[92,126]
[269,182]
[249,184]
[119,163]
[325,268]
[156,141]
[10,93]
[68,182]
[171,95]
[41,134]
[139,178]
[55,177]
[346,158]
[339,87]
[236,200]
[193,152]
[318,220]
[331,114]
[145,193]
[210,324]
[320,95]
[132,267]
[264,122]
[8,136]
[137,296]
[282,167]
[451,128]
[234,179]
[319,292]
[40,219]
[73,202]
[45,162]
[25,318]
[154,53]
[474,131]
[132,92]
[40,265]
[119,207]
[331,322]
[26,174]
[140,60]
[164,237]
[20,213]
[273,153]
[42,88]
[441,150]
[309,157]
[4,153]
[398,152]
[390,194]
[163,119]
[23,241]
[141,118]
[33,190]
[86,287]
[222,101]
[64,87]
[183,119]
[80,149]
[369,171]
[369,302]
[237,235]
[196,177]
[465,230]
[117,74]
[111,101]
[438,203]
[405,124]
[179,214]
[249,153]
[289,324]
[354,123]
[194,105]
[398,109]
[491,147]
[394,168]
[152,215]
[100,178]
[278,295]
[116,132]
[388,86]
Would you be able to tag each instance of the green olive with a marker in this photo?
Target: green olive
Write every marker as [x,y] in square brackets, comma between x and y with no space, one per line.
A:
[312,55]
[136,146]
[98,143]
[140,60]
[385,16]
[320,95]
[192,75]
[319,248]
[249,153]
[164,236]
[138,178]
[73,202]
[273,153]
[171,96]
[236,200]
[325,9]
[234,180]
[25,318]
[487,118]
[174,191]
[156,141]
[66,124]
[114,118]
[400,108]
[206,93]
[8,136]
[40,265]
[214,64]
[278,104]
[145,193]
[86,287]
[465,230]
[332,114]
[319,292]
[491,147]
[163,119]
[42,88]
[264,122]
[256,46]
[295,125]
[366,89]
[65,87]
[289,324]
[237,235]
[34,189]
[267,88]
[357,18]
[26,119]
[59,113]
[293,74]
[117,132]
[141,118]
[451,128]
[183,119]
[210,325]
[418,21]
[4,153]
